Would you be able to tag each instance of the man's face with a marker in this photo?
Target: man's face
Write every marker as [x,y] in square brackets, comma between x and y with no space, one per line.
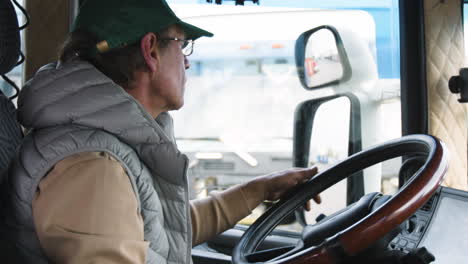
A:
[169,82]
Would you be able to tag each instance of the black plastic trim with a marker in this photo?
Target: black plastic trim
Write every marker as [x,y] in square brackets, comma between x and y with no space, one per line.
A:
[303,125]
[414,108]
[206,257]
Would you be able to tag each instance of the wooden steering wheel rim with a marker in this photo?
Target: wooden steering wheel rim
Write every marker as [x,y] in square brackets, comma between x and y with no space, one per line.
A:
[349,242]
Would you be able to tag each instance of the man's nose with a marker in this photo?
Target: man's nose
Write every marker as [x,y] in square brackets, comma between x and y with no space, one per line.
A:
[186,63]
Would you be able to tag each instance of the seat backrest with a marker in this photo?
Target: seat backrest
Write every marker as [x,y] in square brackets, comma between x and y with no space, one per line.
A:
[9,37]
[10,134]
[10,130]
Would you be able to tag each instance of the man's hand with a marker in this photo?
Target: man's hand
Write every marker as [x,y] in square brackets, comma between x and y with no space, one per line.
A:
[276,184]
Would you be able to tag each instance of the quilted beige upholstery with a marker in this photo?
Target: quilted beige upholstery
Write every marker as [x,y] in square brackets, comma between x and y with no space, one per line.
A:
[445,56]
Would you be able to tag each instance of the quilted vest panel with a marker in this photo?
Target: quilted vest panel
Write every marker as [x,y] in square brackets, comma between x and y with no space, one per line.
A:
[74,108]
[162,203]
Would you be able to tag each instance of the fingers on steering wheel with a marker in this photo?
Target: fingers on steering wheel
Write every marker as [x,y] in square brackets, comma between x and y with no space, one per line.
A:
[318,199]
[311,172]
[303,175]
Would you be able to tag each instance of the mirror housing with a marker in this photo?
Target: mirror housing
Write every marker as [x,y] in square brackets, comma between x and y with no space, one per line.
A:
[304,125]
[321,59]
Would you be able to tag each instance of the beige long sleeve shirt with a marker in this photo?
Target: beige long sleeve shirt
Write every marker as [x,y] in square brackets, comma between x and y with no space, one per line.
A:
[85,211]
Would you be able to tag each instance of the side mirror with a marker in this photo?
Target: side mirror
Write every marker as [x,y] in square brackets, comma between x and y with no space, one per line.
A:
[321,59]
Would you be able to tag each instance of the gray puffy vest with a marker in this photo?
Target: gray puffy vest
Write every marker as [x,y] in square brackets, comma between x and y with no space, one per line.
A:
[74,108]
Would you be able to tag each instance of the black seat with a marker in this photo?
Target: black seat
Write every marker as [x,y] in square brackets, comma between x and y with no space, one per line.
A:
[10,134]
[10,130]
[10,138]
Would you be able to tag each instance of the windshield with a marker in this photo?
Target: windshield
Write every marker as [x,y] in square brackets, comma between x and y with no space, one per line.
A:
[243,91]
[244,81]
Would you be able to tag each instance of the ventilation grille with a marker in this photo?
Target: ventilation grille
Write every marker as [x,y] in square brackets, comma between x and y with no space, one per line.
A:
[428,206]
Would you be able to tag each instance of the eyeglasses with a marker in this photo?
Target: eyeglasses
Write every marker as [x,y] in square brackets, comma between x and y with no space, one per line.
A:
[186,45]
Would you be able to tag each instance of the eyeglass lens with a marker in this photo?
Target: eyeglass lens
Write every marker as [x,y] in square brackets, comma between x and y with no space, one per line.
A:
[187,48]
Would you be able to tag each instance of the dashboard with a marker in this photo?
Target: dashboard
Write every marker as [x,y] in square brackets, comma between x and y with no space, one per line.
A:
[441,226]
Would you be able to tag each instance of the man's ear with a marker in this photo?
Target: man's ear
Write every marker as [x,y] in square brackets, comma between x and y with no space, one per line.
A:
[149,50]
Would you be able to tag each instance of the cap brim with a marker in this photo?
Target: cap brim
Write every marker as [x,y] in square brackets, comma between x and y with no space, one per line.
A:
[193,32]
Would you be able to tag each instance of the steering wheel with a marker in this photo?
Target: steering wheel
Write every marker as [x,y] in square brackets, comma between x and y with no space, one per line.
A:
[351,237]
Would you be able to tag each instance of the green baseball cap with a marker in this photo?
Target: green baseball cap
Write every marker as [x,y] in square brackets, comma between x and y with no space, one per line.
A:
[122,22]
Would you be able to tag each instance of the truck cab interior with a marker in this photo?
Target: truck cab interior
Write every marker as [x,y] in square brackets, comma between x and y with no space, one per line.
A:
[374,93]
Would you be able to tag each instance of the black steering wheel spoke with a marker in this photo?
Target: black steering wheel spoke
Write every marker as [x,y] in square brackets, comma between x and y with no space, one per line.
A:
[298,248]
[271,254]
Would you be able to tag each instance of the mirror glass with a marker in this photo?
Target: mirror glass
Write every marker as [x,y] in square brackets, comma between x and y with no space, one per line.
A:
[322,62]
[328,145]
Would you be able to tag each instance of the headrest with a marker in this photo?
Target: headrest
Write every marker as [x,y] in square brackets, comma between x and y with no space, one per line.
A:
[9,37]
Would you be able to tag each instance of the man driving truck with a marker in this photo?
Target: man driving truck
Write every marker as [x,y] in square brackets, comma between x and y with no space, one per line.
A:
[99,178]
